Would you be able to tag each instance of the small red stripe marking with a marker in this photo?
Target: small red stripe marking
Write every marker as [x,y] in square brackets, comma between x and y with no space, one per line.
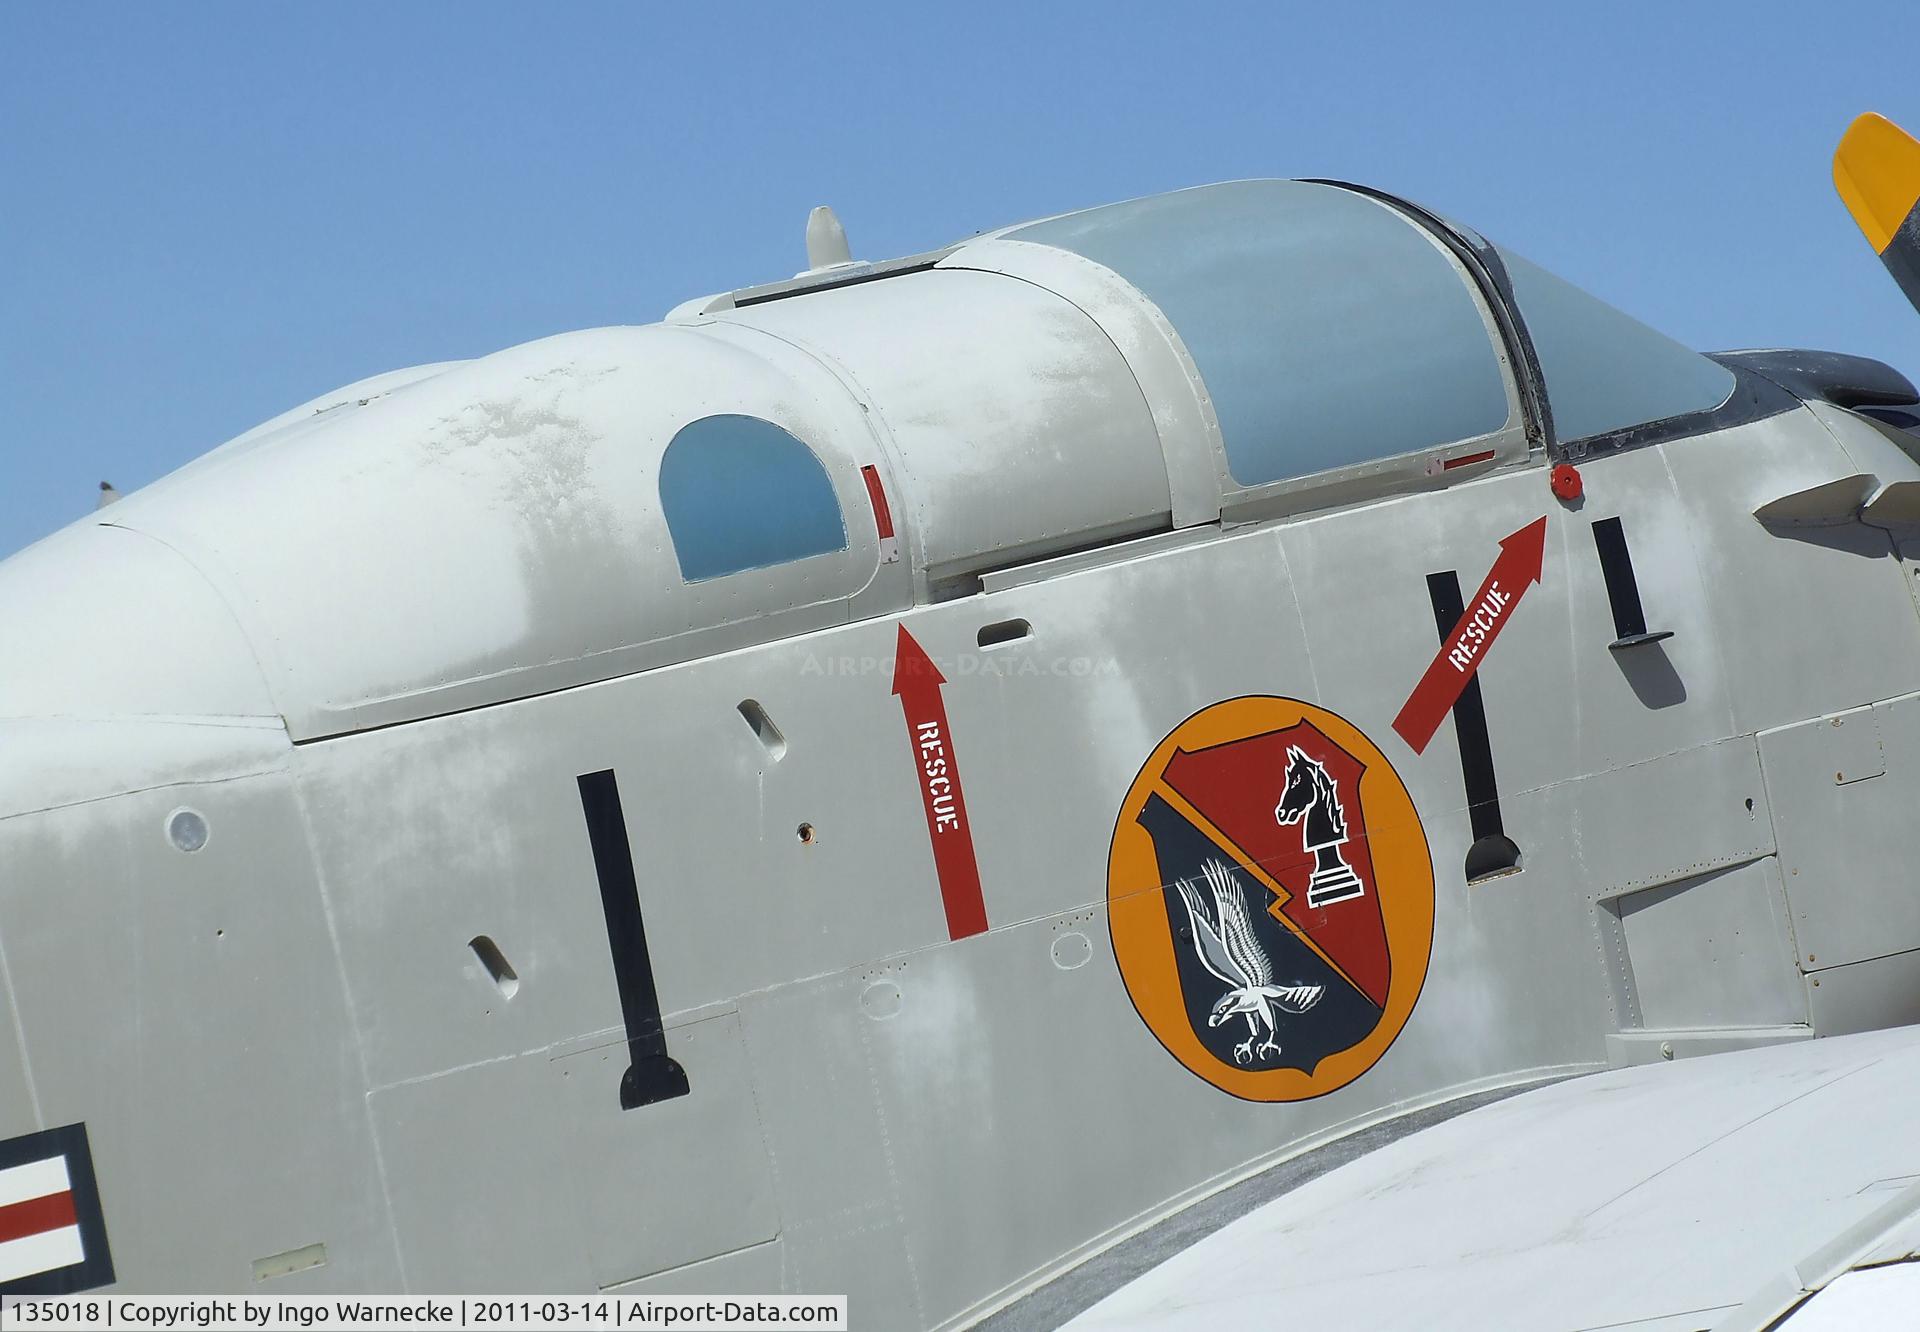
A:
[882,515]
[36,1216]
[1465,460]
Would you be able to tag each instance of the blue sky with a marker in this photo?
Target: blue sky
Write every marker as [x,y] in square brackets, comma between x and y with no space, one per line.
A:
[211,212]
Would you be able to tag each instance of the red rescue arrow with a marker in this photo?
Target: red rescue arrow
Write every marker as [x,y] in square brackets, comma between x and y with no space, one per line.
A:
[917,681]
[1517,569]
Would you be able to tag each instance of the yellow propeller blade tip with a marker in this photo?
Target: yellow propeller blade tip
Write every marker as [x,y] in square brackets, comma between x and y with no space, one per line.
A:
[1876,169]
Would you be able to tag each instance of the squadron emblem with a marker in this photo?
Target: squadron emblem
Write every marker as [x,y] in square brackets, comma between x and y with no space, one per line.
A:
[1270,898]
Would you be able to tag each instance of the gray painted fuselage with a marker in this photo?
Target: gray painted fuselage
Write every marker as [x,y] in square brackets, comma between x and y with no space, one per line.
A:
[374,645]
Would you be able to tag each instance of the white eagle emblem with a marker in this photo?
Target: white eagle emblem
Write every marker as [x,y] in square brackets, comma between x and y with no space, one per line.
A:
[1228,947]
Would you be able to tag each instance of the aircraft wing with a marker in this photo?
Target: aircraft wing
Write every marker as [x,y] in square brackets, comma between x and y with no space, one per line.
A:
[1775,1187]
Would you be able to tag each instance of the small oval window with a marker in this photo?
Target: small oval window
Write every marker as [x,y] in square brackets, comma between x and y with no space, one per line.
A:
[741,493]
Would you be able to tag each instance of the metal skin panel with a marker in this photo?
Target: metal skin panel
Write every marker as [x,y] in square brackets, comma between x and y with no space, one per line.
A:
[1559,703]
[589,1197]
[1589,839]
[89,599]
[1018,429]
[1882,458]
[69,761]
[18,1112]
[700,1164]
[1369,630]
[1873,448]
[829,1141]
[527,481]
[338,404]
[468,825]
[1865,996]
[1811,603]
[1730,925]
[480,1188]
[1094,687]
[145,980]
[980,1106]
[1514,959]
[1620,707]
[1671,818]
[1841,789]
[1195,455]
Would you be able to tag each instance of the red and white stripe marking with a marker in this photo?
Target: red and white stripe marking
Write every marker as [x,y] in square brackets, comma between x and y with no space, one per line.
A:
[39,1230]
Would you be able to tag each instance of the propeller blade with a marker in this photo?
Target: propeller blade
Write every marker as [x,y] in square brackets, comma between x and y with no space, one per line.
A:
[1876,169]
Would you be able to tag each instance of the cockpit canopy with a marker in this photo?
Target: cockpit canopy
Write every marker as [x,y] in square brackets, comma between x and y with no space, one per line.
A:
[1328,330]
[1331,330]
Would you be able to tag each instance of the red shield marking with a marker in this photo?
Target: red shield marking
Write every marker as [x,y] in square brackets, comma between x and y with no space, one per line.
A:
[1236,786]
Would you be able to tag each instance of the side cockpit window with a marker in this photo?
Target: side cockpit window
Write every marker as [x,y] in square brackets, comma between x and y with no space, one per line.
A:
[1606,371]
[741,493]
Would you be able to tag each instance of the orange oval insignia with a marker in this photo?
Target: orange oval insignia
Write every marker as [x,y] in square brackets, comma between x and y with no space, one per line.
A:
[1270,898]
